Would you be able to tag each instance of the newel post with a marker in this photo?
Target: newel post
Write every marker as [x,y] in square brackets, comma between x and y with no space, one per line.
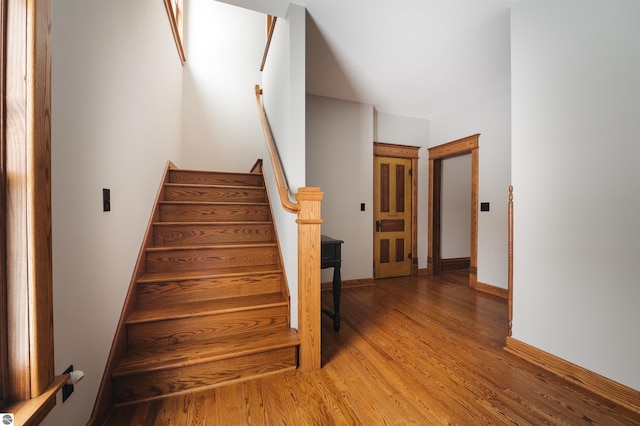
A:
[309,312]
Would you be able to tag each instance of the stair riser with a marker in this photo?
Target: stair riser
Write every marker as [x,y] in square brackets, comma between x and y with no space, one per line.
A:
[215,178]
[194,212]
[193,234]
[150,294]
[209,258]
[153,385]
[209,194]
[200,328]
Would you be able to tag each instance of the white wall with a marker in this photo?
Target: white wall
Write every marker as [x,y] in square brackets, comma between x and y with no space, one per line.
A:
[576,103]
[411,131]
[224,48]
[455,223]
[340,161]
[489,115]
[116,101]
[283,81]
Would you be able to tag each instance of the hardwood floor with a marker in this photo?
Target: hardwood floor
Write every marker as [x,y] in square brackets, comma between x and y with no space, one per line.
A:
[410,351]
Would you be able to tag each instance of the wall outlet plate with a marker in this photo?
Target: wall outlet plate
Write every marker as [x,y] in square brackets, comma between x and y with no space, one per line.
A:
[484,207]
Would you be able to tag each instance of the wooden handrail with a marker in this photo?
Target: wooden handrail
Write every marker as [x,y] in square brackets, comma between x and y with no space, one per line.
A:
[281,180]
[307,209]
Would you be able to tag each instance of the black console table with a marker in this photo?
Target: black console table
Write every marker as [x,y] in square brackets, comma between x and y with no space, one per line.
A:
[331,257]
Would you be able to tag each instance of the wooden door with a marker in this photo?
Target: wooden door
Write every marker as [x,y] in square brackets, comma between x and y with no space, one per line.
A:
[392,217]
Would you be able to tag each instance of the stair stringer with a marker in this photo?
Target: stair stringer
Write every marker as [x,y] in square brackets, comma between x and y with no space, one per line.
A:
[104,399]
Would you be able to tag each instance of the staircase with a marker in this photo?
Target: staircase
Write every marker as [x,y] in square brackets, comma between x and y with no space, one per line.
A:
[212,306]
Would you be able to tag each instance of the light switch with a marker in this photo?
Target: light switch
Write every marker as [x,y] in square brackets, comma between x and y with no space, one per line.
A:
[106,199]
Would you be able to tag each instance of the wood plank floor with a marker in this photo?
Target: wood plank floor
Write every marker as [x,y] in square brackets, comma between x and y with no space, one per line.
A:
[410,351]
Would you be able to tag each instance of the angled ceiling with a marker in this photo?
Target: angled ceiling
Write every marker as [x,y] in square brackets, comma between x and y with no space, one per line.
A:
[416,58]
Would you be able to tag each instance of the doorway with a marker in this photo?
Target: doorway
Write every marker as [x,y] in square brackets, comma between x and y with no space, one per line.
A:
[395,210]
[468,145]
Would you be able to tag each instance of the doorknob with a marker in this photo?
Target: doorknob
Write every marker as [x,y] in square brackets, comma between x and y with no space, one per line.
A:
[378,224]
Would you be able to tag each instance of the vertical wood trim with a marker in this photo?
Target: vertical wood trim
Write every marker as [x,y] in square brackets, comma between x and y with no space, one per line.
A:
[473,249]
[28,163]
[16,232]
[436,220]
[510,261]
[42,373]
[309,223]
[414,217]
[4,369]
[430,218]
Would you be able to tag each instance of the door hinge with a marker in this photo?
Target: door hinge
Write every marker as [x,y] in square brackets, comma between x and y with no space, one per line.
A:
[410,256]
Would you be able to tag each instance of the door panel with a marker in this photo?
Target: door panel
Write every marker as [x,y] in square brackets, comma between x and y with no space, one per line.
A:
[392,217]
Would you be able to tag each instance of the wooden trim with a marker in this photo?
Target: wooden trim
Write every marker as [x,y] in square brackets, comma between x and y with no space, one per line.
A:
[491,289]
[467,145]
[27,156]
[510,260]
[104,399]
[271,27]
[473,240]
[593,382]
[455,264]
[362,282]
[424,272]
[4,366]
[176,23]
[435,252]
[383,149]
[454,148]
[33,411]
[257,167]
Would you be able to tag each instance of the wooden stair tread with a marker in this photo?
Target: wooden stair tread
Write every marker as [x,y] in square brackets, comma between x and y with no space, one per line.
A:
[225,245]
[214,203]
[206,307]
[152,277]
[210,185]
[144,359]
[219,223]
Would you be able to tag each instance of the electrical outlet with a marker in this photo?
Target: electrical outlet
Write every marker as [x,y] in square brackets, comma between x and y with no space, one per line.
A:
[67,390]
[361,207]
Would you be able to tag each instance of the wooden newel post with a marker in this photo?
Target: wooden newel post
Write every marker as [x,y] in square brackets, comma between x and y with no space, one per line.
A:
[309,310]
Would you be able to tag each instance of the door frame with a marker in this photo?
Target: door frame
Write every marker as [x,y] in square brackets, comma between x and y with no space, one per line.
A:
[467,145]
[383,149]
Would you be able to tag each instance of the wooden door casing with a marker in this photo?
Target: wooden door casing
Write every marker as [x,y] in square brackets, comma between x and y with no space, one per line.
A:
[468,145]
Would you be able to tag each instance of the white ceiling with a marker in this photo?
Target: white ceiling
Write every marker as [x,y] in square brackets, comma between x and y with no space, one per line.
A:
[416,58]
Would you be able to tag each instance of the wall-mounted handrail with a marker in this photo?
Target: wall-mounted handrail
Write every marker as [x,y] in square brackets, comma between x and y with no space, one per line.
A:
[281,179]
[307,208]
